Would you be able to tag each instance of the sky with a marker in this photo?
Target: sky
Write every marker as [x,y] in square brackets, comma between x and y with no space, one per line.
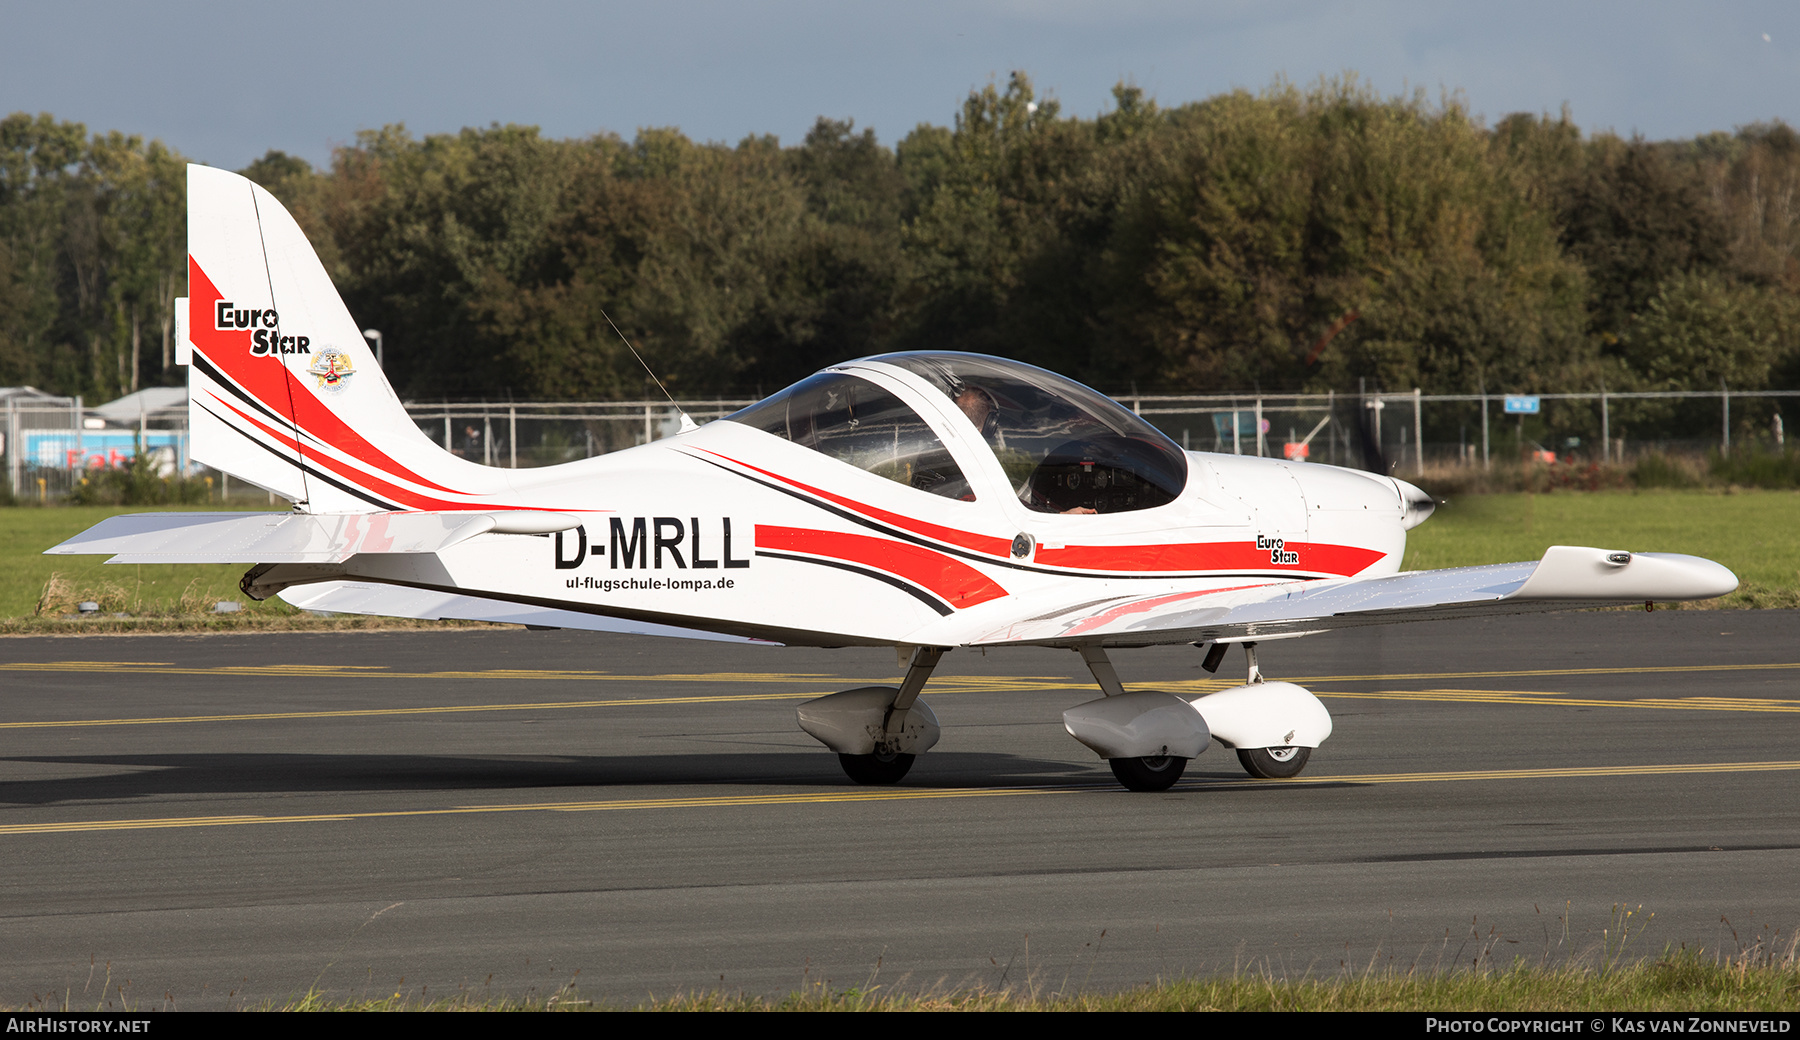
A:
[224,83]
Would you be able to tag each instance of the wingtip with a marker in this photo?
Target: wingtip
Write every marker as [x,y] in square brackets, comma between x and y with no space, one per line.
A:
[1574,572]
[1707,579]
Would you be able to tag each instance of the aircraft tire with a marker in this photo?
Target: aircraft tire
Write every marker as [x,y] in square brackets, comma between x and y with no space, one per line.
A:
[876,769]
[1156,773]
[1274,763]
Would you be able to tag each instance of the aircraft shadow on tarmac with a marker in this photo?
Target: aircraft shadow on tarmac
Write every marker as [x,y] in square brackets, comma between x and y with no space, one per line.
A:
[123,777]
[142,776]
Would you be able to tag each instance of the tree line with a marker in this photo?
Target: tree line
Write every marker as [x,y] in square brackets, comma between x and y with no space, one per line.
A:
[1292,240]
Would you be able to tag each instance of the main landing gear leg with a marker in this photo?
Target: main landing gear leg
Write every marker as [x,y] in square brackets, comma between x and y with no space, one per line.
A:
[887,765]
[877,731]
[1146,737]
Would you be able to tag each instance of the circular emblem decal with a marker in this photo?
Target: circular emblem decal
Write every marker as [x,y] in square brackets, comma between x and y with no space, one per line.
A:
[332,368]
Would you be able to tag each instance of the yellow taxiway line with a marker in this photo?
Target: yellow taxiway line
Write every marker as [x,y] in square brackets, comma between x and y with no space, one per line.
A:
[946,686]
[891,794]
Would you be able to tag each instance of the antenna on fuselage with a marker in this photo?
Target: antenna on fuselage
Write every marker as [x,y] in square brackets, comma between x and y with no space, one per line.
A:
[687,422]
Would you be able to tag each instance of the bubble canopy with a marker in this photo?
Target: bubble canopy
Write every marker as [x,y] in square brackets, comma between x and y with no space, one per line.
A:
[1064,447]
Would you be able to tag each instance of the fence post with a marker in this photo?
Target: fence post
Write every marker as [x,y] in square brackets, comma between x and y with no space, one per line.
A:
[1418,435]
[512,434]
[1331,414]
[646,422]
[1379,407]
[1725,439]
[1605,427]
[1485,464]
[1259,429]
[12,447]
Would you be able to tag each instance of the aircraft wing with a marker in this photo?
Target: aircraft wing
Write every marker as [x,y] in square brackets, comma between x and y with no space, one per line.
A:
[1566,577]
[293,537]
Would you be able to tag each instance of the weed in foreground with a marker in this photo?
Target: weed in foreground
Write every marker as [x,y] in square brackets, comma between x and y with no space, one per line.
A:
[1681,979]
[1761,973]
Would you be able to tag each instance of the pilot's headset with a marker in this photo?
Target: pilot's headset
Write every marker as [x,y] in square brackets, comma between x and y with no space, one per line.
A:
[975,400]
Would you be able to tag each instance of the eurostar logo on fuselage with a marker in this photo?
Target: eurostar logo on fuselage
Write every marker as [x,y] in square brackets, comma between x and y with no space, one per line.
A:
[1277,549]
[266,339]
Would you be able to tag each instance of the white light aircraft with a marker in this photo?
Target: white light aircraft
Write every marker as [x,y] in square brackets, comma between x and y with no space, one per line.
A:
[924,501]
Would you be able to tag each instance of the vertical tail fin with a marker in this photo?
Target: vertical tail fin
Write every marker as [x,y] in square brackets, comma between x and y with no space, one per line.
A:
[283,391]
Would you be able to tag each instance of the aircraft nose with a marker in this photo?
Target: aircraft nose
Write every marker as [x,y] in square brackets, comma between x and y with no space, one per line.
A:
[1416,506]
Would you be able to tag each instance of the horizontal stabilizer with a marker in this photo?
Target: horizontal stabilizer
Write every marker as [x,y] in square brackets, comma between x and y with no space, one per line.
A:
[293,537]
[354,597]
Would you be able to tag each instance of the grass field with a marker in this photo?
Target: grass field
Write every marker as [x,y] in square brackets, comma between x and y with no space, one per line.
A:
[26,532]
[1755,533]
[160,597]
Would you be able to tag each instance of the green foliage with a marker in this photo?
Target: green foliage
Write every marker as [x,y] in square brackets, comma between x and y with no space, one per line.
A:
[139,482]
[1700,331]
[1635,217]
[1657,470]
[92,238]
[1297,239]
[1282,215]
[1775,470]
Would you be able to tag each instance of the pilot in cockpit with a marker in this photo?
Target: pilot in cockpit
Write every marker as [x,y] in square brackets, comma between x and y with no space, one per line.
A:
[979,406]
[983,411]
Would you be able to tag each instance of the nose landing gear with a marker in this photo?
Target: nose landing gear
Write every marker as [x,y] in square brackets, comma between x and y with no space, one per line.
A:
[1273,726]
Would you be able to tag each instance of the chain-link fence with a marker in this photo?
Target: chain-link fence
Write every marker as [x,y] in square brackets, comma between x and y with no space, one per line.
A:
[48,443]
[51,443]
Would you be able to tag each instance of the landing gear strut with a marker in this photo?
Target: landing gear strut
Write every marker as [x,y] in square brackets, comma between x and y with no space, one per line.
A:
[877,731]
[1273,726]
[1146,737]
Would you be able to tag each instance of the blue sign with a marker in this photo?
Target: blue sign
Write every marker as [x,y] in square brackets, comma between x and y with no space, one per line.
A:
[1521,406]
[98,449]
[1246,426]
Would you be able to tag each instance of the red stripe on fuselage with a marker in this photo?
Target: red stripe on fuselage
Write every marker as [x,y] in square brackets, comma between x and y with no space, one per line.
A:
[1344,560]
[1315,558]
[951,580]
[1001,547]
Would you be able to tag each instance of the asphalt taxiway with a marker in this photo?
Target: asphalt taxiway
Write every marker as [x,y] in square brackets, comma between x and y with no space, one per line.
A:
[227,820]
